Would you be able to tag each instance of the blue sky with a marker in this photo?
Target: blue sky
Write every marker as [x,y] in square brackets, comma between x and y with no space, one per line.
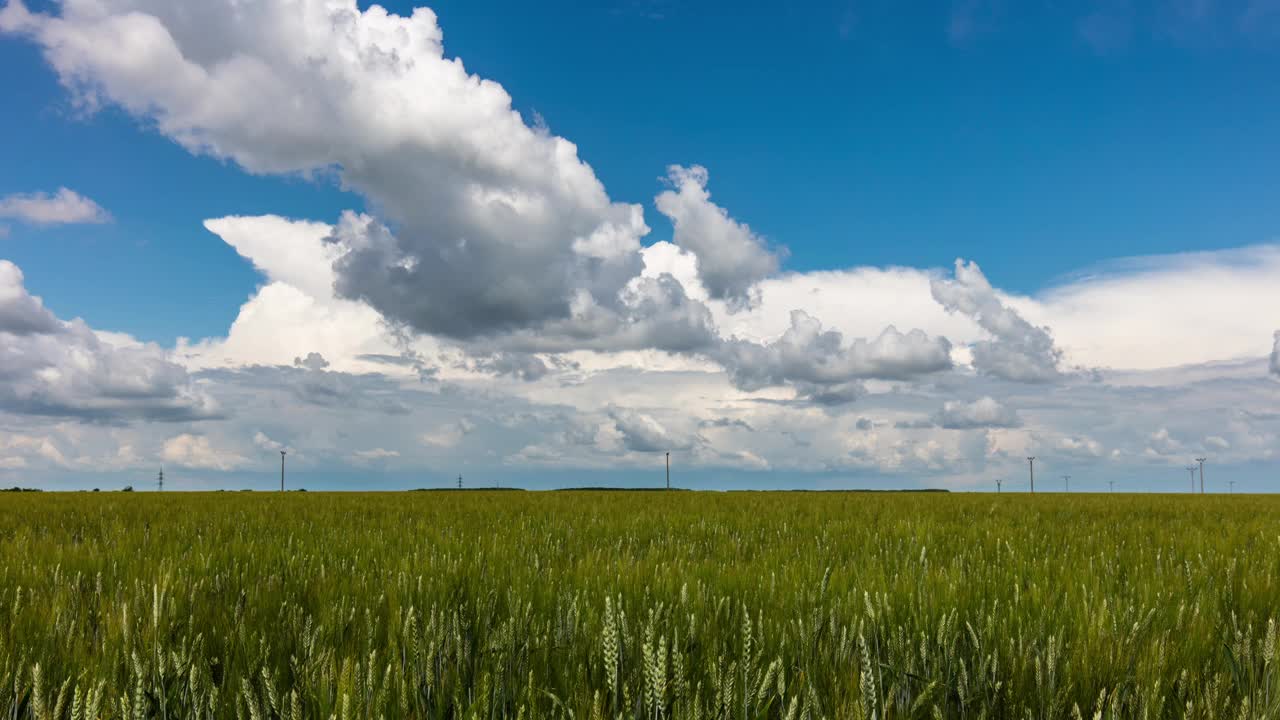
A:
[852,133]
[376,268]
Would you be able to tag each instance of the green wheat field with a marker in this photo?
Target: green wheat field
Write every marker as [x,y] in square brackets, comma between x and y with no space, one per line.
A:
[638,605]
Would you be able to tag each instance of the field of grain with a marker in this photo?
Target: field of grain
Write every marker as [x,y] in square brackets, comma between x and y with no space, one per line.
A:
[638,605]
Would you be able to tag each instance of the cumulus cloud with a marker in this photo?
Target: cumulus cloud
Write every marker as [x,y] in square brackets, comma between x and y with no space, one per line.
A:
[1162,443]
[313,361]
[195,451]
[63,207]
[985,412]
[20,450]
[525,366]
[1217,443]
[1124,314]
[818,360]
[731,258]
[296,309]
[1017,349]
[448,436]
[499,226]
[1080,446]
[292,252]
[264,442]
[491,231]
[642,433]
[20,312]
[653,313]
[829,395]
[65,369]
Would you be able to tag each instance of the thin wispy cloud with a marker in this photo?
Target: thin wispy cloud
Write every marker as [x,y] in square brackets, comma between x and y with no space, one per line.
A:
[63,207]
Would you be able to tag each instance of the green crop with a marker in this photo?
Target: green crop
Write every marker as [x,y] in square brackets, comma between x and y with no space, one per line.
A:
[662,606]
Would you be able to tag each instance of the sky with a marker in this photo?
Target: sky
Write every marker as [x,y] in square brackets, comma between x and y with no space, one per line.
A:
[830,245]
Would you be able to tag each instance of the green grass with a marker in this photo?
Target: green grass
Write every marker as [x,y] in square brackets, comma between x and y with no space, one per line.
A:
[638,605]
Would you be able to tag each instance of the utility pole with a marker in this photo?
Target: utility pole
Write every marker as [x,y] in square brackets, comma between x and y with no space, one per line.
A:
[999,482]
[668,471]
[1112,485]
[1232,484]
[160,480]
[1192,470]
[1066,481]
[1032,461]
[1201,462]
[281,471]
[459,482]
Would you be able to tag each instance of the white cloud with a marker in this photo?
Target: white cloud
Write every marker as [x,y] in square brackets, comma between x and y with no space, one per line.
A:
[1162,443]
[295,313]
[292,252]
[64,207]
[809,354]
[64,369]
[641,433]
[1163,311]
[1128,314]
[262,441]
[500,226]
[20,312]
[1017,349]
[20,450]
[374,455]
[858,302]
[855,300]
[731,258]
[985,412]
[447,436]
[1080,446]
[195,451]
